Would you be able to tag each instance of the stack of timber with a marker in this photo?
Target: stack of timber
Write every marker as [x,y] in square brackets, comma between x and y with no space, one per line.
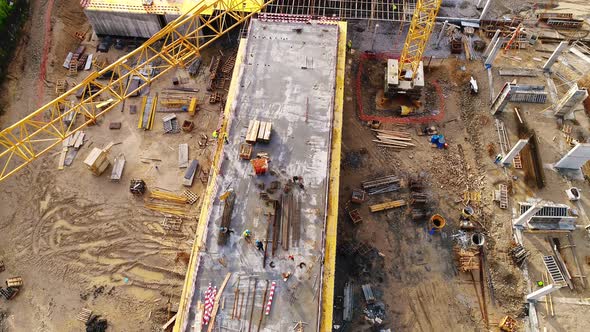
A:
[381,185]
[228,209]
[387,205]
[258,131]
[97,161]
[168,197]
[395,139]
[169,208]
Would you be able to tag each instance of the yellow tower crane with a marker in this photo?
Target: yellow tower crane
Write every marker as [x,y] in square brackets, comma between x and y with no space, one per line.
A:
[406,75]
[177,44]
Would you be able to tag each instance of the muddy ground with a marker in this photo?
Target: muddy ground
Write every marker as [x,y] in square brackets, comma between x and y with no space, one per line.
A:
[414,273]
[80,241]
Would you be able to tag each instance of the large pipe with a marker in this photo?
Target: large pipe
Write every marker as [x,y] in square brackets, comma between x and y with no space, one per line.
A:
[485,9]
[478,239]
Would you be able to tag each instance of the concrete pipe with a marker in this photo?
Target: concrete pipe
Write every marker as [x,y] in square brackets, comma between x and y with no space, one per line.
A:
[478,239]
[437,222]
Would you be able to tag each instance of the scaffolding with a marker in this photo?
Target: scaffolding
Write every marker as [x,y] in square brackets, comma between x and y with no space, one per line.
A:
[377,10]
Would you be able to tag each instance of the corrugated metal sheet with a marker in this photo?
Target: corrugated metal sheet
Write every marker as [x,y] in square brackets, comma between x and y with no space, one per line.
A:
[123,24]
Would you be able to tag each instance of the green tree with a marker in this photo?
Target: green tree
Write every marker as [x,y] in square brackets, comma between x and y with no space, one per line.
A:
[5,8]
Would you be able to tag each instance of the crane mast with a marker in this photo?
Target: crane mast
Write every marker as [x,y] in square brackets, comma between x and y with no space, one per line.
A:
[406,75]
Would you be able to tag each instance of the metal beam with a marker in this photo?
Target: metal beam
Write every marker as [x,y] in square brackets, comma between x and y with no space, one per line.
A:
[177,44]
[421,27]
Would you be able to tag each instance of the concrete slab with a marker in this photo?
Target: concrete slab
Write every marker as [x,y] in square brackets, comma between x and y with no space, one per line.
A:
[287,77]
[576,157]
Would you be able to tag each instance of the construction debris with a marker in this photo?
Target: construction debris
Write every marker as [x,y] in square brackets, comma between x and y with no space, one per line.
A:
[467,259]
[137,187]
[381,185]
[393,139]
[519,255]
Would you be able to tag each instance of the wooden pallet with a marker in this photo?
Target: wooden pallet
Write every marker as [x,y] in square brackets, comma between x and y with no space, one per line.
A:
[214,98]
[73,66]
[517,162]
[472,196]
[171,223]
[60,87]
[84,315]
[192,198]
[245,151]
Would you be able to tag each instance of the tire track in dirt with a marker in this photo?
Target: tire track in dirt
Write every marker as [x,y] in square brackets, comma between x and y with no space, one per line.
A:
[119,242]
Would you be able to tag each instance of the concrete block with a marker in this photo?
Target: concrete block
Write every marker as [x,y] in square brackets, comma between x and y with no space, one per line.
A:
[576,157]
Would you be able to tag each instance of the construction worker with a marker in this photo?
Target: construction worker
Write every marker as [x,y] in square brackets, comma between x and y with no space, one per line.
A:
[225,230]
[349,45]
[225,138]
[247,234]
[498,159]
[259,245]
[540,283]
[215,134]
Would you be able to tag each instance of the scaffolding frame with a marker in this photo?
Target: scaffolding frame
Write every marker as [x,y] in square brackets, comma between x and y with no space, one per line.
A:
[377,10]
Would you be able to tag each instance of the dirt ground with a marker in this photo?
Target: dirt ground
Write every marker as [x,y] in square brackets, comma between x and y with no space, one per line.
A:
[81,241]
[413,273]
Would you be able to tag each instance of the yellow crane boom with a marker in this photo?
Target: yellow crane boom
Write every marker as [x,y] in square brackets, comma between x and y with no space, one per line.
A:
[177,44]
[420,29]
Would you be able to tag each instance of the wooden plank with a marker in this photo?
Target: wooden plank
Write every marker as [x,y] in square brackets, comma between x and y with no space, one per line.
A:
[80,140]
[252,133]
[62,158]
[183,155]
[169,322]
[261,130]
[286,213]
[73,139]
[216,303]
[387,205]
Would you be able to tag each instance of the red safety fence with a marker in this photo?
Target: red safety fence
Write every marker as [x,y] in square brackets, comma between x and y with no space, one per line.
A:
[394,119]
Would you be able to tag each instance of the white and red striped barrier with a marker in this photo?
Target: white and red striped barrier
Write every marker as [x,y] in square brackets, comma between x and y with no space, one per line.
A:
[270,296]
[209,300]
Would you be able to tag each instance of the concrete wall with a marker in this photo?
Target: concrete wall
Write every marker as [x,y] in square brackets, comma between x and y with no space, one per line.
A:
[123,24]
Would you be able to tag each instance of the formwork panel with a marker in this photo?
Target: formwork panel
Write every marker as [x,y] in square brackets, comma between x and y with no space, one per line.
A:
[123,24]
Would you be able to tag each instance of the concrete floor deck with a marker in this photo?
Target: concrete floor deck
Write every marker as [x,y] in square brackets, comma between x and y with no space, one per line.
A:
[286,76]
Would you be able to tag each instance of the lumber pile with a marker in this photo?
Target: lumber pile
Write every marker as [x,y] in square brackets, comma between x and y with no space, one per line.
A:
[387,205]
[395,139]
[168,208]
[381,185]
[168,197]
